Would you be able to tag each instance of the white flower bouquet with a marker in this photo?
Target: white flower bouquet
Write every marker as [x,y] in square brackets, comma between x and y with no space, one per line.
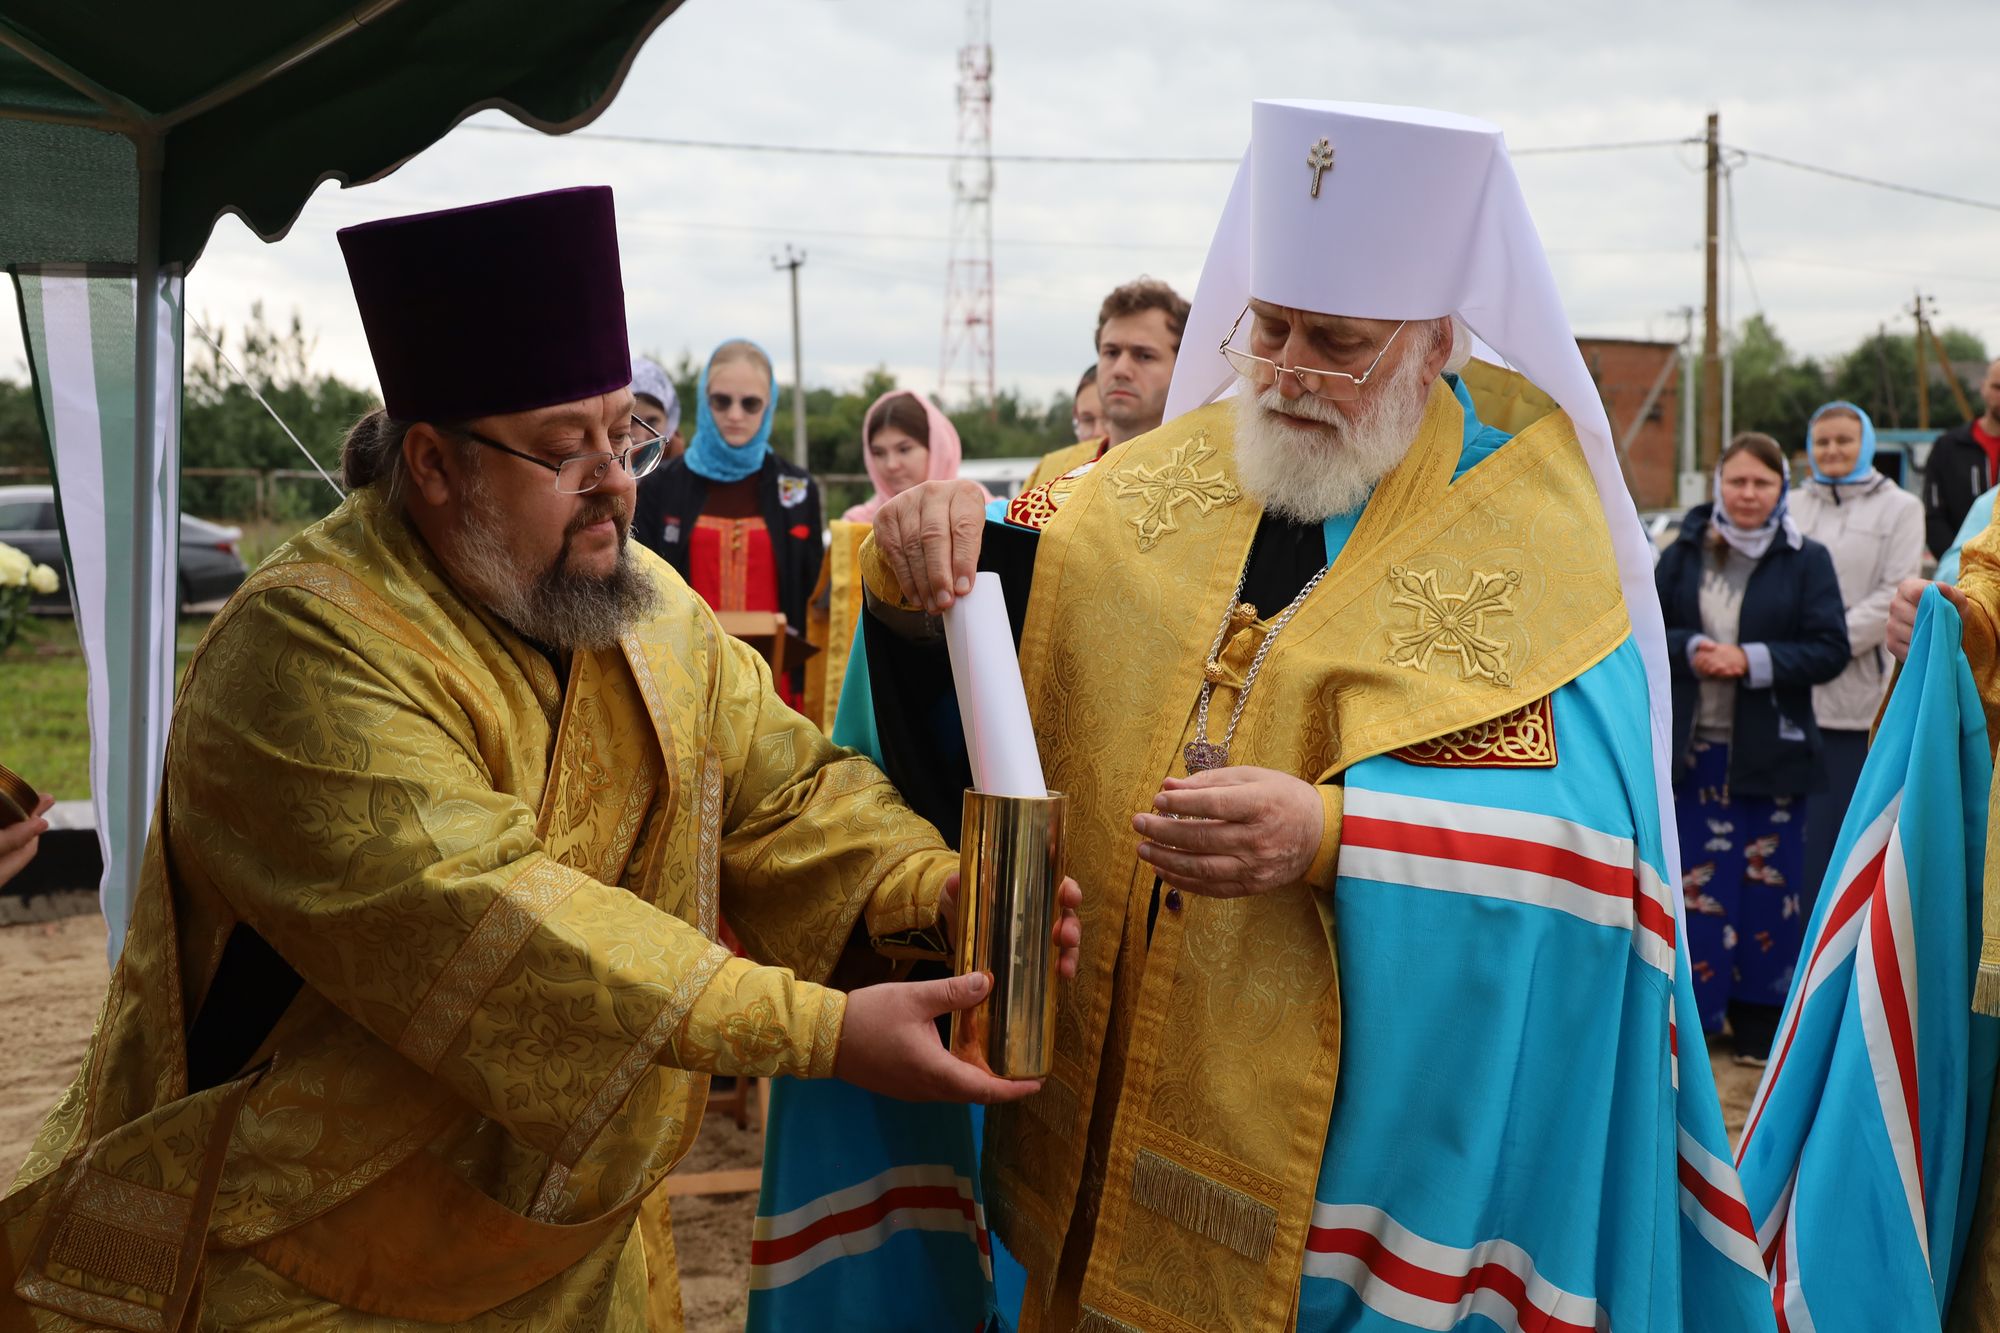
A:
[20,578]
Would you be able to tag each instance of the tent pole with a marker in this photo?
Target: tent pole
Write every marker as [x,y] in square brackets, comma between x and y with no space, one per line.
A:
[124,109]
[146,463]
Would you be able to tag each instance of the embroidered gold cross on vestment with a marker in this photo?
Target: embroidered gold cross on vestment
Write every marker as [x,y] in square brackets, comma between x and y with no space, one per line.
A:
[1453,622]
[1177,481]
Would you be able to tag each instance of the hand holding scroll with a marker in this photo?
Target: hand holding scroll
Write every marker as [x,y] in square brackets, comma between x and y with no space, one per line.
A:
[930,534]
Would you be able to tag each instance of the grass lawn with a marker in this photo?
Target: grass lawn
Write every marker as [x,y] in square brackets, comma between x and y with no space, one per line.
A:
[44,729]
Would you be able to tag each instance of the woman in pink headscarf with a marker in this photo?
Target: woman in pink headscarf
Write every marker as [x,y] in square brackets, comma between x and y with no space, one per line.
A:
[905,439]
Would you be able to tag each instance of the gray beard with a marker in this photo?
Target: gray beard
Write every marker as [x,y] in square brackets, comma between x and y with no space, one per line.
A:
[1309,475]
[556,607]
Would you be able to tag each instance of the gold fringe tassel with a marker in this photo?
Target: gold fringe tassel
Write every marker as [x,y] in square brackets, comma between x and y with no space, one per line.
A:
[1986,985]
[1096,1321]
[1056,1106]
[1206,1207]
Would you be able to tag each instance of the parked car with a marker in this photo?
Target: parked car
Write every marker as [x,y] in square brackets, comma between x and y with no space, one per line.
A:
[210,565]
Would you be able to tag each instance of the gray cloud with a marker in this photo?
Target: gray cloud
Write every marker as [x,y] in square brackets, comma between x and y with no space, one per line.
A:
[1865,88]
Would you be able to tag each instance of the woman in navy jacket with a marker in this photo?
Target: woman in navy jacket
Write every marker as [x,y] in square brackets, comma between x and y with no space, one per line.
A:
[1754,620]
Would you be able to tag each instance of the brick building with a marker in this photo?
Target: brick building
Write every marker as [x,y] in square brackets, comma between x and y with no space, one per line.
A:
[1640,383]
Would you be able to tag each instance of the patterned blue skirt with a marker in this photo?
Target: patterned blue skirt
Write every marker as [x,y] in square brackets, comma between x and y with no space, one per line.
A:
[1742,875]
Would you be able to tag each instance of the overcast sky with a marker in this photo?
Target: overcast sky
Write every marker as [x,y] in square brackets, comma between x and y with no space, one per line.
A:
[1879,90]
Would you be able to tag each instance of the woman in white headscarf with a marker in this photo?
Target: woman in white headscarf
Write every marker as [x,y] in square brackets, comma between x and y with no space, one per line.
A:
[1754,622]
[656,404]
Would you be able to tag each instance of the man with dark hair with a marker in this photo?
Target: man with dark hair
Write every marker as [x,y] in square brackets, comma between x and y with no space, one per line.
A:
[1964,464]
[1138,337]
[422,991]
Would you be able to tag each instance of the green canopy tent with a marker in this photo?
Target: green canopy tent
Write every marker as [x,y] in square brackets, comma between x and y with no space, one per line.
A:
[127,127]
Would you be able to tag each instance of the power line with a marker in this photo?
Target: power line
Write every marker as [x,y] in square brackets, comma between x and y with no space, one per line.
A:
[1857,179]
[1766,257]
[1736,237]
[1128,160]
[1040,159]
[879,154]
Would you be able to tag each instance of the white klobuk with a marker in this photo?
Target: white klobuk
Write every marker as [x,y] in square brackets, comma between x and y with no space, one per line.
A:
[1389,212]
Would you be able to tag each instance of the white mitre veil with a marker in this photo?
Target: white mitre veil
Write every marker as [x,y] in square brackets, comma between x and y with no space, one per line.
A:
[1417,215]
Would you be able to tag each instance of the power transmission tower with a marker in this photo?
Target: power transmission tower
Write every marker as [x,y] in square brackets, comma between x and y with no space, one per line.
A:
[967,351]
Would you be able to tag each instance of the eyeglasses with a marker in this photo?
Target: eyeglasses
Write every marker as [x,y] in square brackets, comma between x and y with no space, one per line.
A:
[586,472]
[1087,428]
[722,402]
[1335,386]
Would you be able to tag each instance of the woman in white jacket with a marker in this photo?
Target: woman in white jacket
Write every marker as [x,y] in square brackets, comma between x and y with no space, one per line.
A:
[1875,530]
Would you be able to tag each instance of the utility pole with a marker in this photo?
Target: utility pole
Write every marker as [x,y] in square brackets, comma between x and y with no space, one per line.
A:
[1944,363]
[1689,481]
[794,260]
[1923,370]
[1710,444]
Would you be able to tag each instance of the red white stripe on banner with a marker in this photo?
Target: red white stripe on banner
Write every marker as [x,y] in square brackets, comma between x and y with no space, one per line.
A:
[1887,972]
[1673,1043]
[1712,1198]
[1513,855]
[1788,1298]
[1401,1275]
[1839,934]
[787,1246]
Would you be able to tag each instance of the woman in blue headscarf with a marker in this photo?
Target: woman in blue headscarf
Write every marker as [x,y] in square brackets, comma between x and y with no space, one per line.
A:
[741,524]
[1875,530]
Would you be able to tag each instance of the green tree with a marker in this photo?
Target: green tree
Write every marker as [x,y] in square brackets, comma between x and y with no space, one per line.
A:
[1881,375]
[1963,345]
[224,426]
[21,442]
[1773,391]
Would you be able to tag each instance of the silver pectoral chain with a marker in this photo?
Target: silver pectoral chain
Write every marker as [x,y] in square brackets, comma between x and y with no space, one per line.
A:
[1201,753]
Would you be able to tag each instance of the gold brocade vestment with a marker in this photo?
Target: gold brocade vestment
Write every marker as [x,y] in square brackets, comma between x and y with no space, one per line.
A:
[1163,1178]
[500,894]
[1058,461]
[1975,1306]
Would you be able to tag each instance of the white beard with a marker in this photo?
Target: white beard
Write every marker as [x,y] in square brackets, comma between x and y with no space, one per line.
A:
[1308,474]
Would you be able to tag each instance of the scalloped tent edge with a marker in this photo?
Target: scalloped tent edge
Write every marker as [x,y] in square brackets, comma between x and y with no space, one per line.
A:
[127,130]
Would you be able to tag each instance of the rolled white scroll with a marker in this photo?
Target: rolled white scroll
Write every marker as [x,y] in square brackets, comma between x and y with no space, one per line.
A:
[999,736]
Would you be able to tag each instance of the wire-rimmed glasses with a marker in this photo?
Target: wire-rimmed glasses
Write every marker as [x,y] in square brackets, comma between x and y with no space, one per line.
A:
[586,472]
[1336,386]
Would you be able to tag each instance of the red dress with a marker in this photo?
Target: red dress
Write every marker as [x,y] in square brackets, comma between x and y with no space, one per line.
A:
[730,564]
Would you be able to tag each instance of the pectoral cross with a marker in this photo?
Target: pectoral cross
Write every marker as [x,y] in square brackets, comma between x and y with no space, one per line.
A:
[1320,159]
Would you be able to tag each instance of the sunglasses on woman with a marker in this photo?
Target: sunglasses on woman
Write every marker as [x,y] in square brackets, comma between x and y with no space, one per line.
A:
[722,402]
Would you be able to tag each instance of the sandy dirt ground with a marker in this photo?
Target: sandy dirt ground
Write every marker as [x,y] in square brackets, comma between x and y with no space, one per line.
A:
[52,978]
